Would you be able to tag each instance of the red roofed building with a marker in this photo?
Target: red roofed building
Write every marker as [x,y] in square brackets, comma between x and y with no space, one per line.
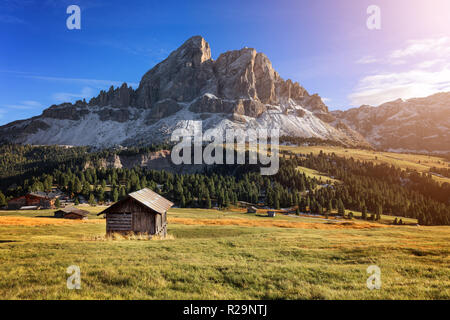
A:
[41,200]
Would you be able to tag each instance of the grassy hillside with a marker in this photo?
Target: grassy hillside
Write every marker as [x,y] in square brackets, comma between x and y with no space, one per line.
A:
[311,173]
[223,255]
[420,163]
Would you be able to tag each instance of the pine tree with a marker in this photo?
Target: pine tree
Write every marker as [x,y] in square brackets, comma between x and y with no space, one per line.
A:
[364,213]
[122,193]
[115,195]
[341,208]
[226,201]
[91,200]
[77,186]
[235,199]
[208,201]
[2,200]
[277,201]
[183,201]
[178,190]
[379,212]
[319,209]
[330,206]
[86,189]
[76,202]
[57,203]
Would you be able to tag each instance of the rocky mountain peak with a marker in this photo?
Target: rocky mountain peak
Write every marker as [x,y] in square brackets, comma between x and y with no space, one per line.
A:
[239,89]
[195,50]
[243,80]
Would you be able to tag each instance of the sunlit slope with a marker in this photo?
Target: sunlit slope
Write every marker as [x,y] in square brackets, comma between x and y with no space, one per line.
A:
[421,163]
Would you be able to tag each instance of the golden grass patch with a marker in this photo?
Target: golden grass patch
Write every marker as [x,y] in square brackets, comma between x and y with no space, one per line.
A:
[276,223]
[34,221]
[126,236]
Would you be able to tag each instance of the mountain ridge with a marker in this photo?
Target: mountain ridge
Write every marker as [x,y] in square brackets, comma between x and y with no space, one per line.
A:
[414,125]
[238,90]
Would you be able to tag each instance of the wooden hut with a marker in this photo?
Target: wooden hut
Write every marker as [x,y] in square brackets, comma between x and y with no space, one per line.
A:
[251,209]
[141,212]
[71,213]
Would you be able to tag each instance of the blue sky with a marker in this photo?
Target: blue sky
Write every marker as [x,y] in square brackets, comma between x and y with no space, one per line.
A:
[325,45]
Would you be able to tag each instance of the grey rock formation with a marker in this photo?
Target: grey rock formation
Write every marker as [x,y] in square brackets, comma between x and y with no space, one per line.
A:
[240,81]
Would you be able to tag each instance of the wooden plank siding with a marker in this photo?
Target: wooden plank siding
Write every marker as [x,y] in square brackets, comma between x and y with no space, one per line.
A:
[118,222]
[144,222]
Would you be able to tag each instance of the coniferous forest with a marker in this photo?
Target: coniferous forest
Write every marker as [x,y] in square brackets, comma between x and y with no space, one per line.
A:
[361,186]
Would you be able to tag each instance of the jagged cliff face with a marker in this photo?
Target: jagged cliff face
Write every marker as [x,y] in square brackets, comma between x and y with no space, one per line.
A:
[416,125]
[238,90]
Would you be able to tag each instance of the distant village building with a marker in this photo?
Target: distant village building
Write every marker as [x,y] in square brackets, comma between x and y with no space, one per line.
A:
[141,212]
[41,200]
[271,214]
[28,208]
[72,213]
[251,209]
[244,204]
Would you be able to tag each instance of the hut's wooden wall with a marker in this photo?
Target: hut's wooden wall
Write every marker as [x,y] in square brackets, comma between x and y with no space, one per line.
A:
[59,214]
[144,222]
[118,222]
[74,216]
[132,216]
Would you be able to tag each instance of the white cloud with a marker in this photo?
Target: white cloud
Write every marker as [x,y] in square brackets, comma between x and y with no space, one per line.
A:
[419,69]
[430,63]
[380,88]
[89,82]
[325,100]
[25,105]
[85,93]
[439,46]
[367,60]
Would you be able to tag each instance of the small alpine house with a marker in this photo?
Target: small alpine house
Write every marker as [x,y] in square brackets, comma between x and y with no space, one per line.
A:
[141,212]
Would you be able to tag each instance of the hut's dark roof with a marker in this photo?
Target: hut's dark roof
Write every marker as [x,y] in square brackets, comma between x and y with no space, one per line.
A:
[40,194]
[76,211]
[150,199]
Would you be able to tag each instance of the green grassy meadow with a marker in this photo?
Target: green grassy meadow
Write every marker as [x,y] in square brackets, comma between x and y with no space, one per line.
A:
[223,261]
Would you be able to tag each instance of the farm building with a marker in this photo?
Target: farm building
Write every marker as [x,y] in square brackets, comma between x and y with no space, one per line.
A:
[143,211]
[251,210]
[271,214]
[38,199]
[28,208]
[71,213]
